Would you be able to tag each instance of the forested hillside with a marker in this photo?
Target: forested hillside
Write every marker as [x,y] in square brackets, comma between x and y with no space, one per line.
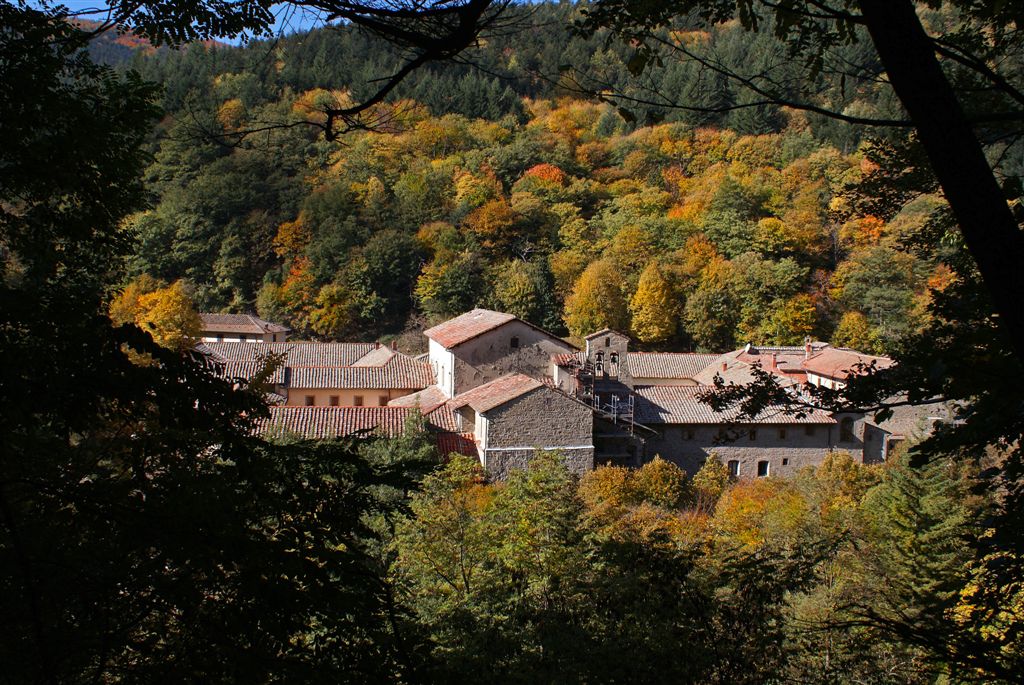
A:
[490,185]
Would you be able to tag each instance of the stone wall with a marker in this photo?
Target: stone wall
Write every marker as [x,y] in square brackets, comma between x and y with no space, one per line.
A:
[541,418]
[499,463]
[491,355]
[785,454]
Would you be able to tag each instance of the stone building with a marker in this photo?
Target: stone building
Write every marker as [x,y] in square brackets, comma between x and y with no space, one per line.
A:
[497,388]
[512,417]
[483,345]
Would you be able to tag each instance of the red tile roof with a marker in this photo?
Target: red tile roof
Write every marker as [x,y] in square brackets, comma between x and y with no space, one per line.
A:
[428,399]
[239,323]
[456,443]
[398,374]
[496,393]
[329,422]
[668,365]
[297,353]
[311,365]
[679,405]
[444,418]
[840,363]
[467,326]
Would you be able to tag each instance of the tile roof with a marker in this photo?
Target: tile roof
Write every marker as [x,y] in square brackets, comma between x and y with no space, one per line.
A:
[496,393]
[428,399]
[569,358]
[456,443]
[248,369]
[398,374]
[668,365]
[836,362]
[443,418]
[379,356]
[312,365]
[297,353]
[239,323]
[679,405]
[329,422]
[467,326]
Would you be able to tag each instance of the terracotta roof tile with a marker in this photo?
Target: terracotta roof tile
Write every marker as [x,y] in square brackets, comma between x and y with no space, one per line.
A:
[324,365]
[496,393]
[329,422]
[239,323]
[679,405]
[396,375]
[443,418]
[428,399]
[668,365]
[379,356]
[297,353]
[456,443]
[246,370]
[467,326]
[841,363]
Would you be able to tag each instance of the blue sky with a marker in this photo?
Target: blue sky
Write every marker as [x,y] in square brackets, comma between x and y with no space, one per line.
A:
[289,19]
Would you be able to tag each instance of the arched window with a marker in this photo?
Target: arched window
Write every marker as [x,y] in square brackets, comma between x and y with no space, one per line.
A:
[846,430]
[614,357]
[599,357]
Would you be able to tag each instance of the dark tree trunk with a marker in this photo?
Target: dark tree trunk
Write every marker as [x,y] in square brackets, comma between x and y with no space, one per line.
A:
[989,229]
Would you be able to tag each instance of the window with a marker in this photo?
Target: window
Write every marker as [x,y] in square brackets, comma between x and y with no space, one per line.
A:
[734,468]
[782,434]
[690,433]
[607,342]
[382,400]
[808,430]
[846,430]
[614,357]
[752,434]
[334,400]
[599,357]
[762,469]
[310,400]
[785,461]
[357,401]
[514,343]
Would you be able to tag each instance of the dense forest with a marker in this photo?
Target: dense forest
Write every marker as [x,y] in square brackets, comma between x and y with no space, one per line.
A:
[493,184]
[148,533]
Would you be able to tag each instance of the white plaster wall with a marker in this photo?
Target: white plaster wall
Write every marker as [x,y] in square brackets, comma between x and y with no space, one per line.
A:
[443,362]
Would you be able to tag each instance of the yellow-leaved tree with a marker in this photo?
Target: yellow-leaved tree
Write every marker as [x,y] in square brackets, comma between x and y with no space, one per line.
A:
[654,310]
[596,301]
[164,311]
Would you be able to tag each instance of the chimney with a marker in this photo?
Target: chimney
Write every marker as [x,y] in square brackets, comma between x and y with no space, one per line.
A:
[807,348]
[725,366]
[394,345]
[775,362]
